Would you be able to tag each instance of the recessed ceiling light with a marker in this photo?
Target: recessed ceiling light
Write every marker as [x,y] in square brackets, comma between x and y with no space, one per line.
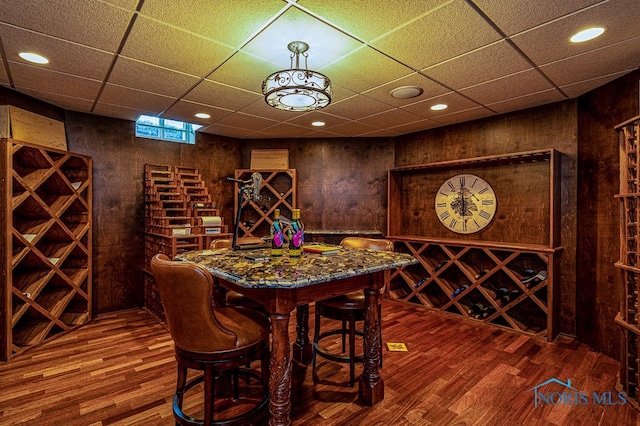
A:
[203,115]
[406,92]
[438,107]
[318,123]
[586,35]
[33,57]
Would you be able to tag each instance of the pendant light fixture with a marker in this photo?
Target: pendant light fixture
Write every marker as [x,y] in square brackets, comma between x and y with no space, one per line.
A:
[297,89]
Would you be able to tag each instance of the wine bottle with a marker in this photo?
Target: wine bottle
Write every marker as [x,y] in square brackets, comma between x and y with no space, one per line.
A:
[296,234]
[277,236]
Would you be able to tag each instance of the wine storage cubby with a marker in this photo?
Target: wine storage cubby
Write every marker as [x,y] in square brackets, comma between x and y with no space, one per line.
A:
[47,243]
[629,261]
[277,191]
[504,275]
[179,216]
[504,285]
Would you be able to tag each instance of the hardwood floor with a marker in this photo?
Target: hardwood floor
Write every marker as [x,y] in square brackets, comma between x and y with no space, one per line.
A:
[119,370]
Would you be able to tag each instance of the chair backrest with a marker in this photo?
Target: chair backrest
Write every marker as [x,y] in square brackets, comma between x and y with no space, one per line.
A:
[186,290]
[226,242]
[367,243]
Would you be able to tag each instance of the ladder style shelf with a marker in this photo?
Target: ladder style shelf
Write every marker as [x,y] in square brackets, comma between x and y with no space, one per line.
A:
[179,216]
[629,262]
[47,242]
[505,275]
[279,190]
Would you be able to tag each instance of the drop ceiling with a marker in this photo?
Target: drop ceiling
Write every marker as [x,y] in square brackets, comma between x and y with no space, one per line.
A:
[123,58]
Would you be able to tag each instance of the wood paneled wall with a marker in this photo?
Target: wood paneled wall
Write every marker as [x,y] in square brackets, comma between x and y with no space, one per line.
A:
[548,126]
[119,158]
[342,183]
[599,293]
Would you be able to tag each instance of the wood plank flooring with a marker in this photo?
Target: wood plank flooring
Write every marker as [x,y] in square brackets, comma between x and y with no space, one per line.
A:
[119,370]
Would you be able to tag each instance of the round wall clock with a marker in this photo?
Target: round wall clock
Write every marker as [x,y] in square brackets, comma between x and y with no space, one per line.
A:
[465,204]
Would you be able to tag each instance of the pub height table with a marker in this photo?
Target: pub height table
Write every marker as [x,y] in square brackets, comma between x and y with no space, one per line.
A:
[282,284]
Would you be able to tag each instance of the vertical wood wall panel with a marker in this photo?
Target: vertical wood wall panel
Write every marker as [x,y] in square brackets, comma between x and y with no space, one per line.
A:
[548,126]
[600,290]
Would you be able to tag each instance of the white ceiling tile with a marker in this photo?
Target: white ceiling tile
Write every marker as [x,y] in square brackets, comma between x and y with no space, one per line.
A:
[498,59]
[211,18]
[507,87]
[430,89]
[221,96]
[143,76]
[67,102]
[529,14]
[186,111]
[356,107]
[576,89]
[446,32]
[145,102]
[33,77]
[595,63]
[527,101]
[63,56]
[381,17]
[187,53]
[454,101]
[550,42]
[91,23]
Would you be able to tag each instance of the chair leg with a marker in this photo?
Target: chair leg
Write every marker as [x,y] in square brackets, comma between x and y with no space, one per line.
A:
[352,350]
[209,389]
[344,332]
[316,336]
[380,331]
[181,382]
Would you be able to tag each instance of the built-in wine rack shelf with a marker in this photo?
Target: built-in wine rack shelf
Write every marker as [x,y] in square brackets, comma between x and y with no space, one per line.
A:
[277,191]
[47,242]
[629,262]
[179,216]
[506,274]
[505,285]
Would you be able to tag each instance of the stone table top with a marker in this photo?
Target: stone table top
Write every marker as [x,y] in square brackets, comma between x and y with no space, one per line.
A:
[287,272]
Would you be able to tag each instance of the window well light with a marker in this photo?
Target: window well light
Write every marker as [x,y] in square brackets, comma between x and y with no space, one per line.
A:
[33,57]
[203,115]
[438,107]
[586,35]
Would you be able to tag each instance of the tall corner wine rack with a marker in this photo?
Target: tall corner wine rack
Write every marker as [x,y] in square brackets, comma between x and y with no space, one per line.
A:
[279,190]
[47,244]
[506,275]
[629,262]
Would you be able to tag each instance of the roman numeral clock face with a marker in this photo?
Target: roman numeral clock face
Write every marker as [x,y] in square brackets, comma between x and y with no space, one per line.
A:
[465,204]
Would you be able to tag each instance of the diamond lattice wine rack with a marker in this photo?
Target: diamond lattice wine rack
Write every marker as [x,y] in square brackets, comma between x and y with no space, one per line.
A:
[507,273]
[47,241]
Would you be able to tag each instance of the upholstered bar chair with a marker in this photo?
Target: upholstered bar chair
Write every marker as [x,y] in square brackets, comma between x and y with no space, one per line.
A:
[218,341]
[349,309]
[233,298]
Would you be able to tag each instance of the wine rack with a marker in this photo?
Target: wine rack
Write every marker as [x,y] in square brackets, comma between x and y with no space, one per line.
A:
[278,191]
[47,242]
[629,262]
[505,275]
[178,213]
[486,282]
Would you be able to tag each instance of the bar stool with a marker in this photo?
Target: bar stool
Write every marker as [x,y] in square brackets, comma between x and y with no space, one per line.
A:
[233,298]
[218,341]
[349,309]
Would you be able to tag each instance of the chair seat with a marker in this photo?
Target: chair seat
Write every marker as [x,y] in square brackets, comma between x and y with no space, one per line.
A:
[238,300]
[348,309]
[343,307]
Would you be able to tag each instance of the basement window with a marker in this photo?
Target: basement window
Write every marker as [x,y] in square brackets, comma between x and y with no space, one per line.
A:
[164,129]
